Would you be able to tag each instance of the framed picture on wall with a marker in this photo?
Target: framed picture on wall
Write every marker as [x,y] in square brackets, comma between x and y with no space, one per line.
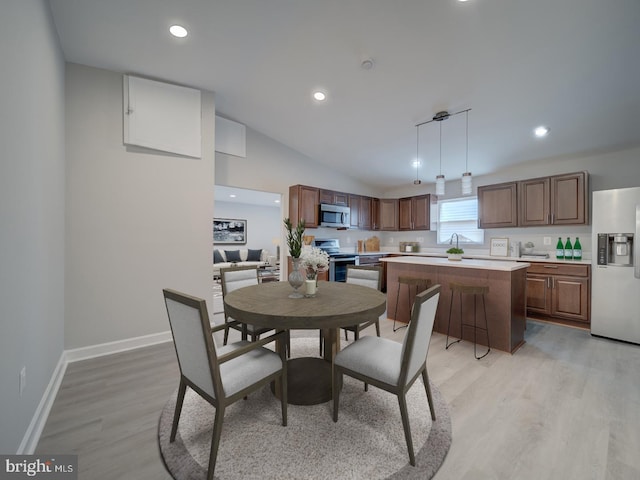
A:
[229,230]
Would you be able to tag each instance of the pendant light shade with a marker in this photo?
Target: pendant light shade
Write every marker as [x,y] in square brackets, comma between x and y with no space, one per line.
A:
[440,185]
[466,183]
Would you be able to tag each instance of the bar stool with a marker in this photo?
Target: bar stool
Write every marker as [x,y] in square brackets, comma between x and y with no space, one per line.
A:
[408,281]
[474,290]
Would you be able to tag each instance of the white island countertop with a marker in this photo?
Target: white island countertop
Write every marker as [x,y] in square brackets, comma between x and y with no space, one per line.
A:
[498,265]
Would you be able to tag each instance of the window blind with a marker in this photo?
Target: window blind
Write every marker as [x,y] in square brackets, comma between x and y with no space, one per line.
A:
[459,215]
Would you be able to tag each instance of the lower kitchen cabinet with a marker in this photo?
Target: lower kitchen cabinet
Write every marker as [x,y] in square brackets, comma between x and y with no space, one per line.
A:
[559,292]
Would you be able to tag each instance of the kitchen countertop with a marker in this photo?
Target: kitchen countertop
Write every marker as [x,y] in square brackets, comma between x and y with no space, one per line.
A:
[500,265]
[479,257]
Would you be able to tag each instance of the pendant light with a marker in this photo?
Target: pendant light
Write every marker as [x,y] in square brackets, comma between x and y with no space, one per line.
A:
[466,176]
[417,181]
[440,177]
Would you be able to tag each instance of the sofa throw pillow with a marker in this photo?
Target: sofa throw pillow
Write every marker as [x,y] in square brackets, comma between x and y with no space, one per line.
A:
[232,255]
[254,255]
[217,257]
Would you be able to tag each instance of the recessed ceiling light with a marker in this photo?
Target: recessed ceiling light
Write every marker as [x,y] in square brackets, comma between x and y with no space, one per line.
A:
[541,131]
[319,96]
[233,195]
[178,31]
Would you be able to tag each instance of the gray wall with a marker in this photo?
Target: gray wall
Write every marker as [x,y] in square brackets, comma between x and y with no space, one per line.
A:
[272,167]
[137,220]
[263,224]
[32,202]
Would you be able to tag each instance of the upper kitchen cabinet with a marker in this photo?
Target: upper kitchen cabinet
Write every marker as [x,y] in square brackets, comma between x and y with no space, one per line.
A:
[555,200]
[360,212]
[365,218]
[415,212]
[304,204]
[386,216]
[498,205]
[570,199]
[354,210]
[334,198]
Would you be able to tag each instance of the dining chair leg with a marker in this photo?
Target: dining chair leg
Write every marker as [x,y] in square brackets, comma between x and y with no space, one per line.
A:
[226,333]
[378,327]
[356,334]
[402,401]
[176,414]
[346,336]
[335,392]
[427,388]
[283,382]
[215,440]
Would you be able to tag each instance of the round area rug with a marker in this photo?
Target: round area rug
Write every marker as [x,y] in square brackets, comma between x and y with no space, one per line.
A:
[367,441]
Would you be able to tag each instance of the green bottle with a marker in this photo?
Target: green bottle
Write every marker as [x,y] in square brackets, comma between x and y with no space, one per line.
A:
[577,250]
[568,250]
[559,249]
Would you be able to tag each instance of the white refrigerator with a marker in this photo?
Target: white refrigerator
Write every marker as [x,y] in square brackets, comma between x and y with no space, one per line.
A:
[615,289]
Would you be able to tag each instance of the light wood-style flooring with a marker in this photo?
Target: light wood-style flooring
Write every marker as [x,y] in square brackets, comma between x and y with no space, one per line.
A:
[565,406]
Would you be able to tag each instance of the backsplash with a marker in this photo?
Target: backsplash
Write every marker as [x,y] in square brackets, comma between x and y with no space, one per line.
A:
[426,240]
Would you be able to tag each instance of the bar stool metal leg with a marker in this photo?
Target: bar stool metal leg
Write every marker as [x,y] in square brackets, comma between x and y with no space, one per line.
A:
[475,291]
[449,323]
[475,327]
[395,315]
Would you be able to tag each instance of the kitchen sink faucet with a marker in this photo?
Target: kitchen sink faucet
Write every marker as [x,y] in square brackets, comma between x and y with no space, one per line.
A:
[451,239]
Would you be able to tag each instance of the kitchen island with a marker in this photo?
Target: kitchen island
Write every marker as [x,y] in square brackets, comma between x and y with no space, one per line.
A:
[506,300]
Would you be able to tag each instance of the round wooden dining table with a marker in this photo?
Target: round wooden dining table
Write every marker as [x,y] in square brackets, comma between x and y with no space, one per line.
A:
[335,305]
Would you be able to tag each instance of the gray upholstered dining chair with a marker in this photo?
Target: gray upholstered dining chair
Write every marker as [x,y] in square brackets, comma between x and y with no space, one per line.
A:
[220,376]
[231,279]
[390,365]
[366,276]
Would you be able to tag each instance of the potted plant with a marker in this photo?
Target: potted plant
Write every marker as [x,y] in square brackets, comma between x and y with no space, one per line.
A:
[455,253]
[294,242]
[528,248]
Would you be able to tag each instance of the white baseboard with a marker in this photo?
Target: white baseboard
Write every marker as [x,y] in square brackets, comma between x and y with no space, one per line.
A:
[32,435]
[84,353]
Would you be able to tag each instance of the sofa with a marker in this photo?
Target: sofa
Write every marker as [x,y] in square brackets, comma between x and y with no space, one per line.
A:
[224,258]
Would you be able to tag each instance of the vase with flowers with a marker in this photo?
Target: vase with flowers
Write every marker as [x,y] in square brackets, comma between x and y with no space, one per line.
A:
[294,242]
[314,261]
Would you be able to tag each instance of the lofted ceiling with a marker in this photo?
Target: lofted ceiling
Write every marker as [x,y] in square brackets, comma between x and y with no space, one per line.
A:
[572,65]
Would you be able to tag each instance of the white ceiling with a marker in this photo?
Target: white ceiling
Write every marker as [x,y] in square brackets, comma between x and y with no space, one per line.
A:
[245,196]
[573,65]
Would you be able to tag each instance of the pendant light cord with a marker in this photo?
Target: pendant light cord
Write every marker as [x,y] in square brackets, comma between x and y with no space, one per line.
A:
[440,147]
[466,161]
[417,150]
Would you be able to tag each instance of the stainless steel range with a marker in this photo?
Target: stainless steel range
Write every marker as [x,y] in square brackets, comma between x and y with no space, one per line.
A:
[338,260]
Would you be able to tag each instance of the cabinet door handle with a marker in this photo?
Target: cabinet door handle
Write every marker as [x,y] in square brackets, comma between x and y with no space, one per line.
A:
[548,282]
[550,266]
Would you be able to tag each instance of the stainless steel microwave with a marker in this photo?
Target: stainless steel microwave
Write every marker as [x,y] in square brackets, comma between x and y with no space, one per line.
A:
[334,216]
